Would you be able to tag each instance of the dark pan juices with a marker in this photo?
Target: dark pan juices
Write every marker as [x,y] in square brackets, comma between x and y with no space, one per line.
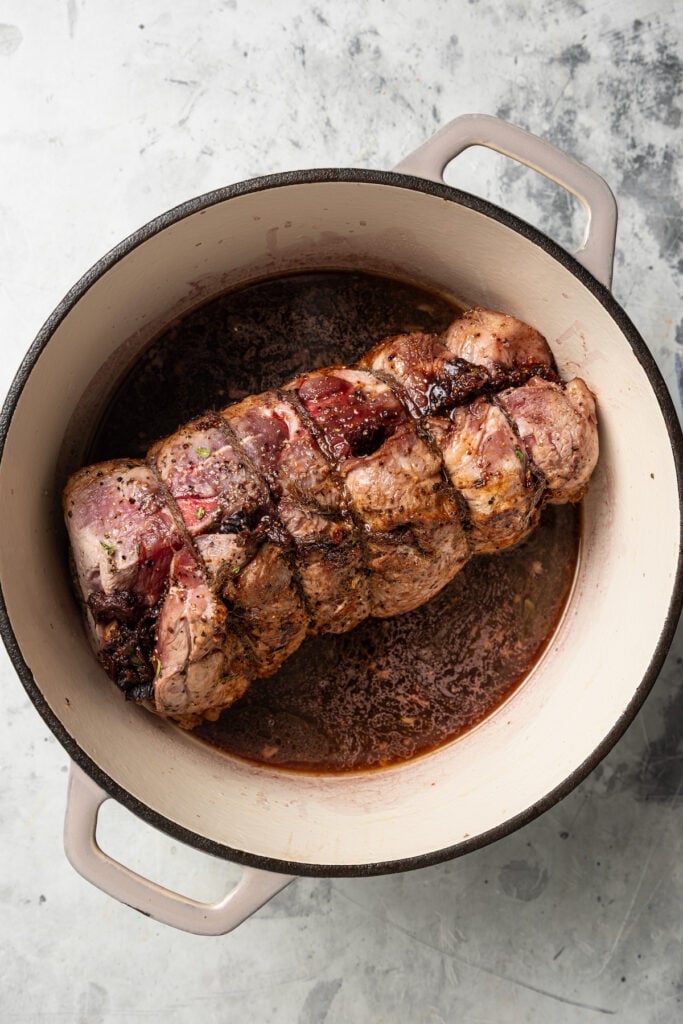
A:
[390,689]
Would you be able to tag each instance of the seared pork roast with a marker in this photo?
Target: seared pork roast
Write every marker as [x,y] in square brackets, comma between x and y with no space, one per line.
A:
[349,492]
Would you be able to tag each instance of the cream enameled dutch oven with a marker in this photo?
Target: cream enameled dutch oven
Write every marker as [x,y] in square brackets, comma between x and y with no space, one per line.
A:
[610,643]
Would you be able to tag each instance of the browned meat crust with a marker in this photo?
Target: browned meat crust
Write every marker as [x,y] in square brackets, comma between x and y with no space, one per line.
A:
[429,376]
[199,660]
[510,350]
[310,502]
[155,624]
[226,506]
[487,465]
[414,539]
[557,424]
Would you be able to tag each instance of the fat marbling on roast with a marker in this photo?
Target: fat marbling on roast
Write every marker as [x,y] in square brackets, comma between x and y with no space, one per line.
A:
[349,492]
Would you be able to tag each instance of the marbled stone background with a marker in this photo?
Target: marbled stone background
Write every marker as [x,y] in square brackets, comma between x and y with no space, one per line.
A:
[109,114]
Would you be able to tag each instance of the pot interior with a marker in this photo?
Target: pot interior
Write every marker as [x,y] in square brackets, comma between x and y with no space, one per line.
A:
[591,674]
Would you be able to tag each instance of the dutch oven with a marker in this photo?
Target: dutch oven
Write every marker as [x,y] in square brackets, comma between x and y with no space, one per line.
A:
[604,655]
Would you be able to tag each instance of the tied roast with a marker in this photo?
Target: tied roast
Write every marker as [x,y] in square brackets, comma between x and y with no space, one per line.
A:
[349,492]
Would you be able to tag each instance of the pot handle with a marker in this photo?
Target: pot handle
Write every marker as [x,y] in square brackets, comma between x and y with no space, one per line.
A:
[84,800]
[596,252]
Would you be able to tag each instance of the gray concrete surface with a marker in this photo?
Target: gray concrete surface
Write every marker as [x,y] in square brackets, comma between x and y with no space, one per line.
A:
[112,113]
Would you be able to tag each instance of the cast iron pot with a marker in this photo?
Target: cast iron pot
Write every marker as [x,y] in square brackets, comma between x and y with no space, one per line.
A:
[606,652]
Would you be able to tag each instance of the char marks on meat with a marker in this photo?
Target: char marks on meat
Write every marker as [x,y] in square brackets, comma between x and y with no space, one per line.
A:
[414,538]
[557,424]
[350,492]
[199,660]
[509,350]
[227,508]
[310,503]
[486,464]
[429,376]
[156,626]
[208,476]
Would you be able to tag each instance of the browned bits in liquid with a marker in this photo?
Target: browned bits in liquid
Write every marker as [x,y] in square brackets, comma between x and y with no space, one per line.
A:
[395,688]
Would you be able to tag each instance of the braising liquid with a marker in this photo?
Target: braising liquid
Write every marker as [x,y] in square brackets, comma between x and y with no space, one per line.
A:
[390,689]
